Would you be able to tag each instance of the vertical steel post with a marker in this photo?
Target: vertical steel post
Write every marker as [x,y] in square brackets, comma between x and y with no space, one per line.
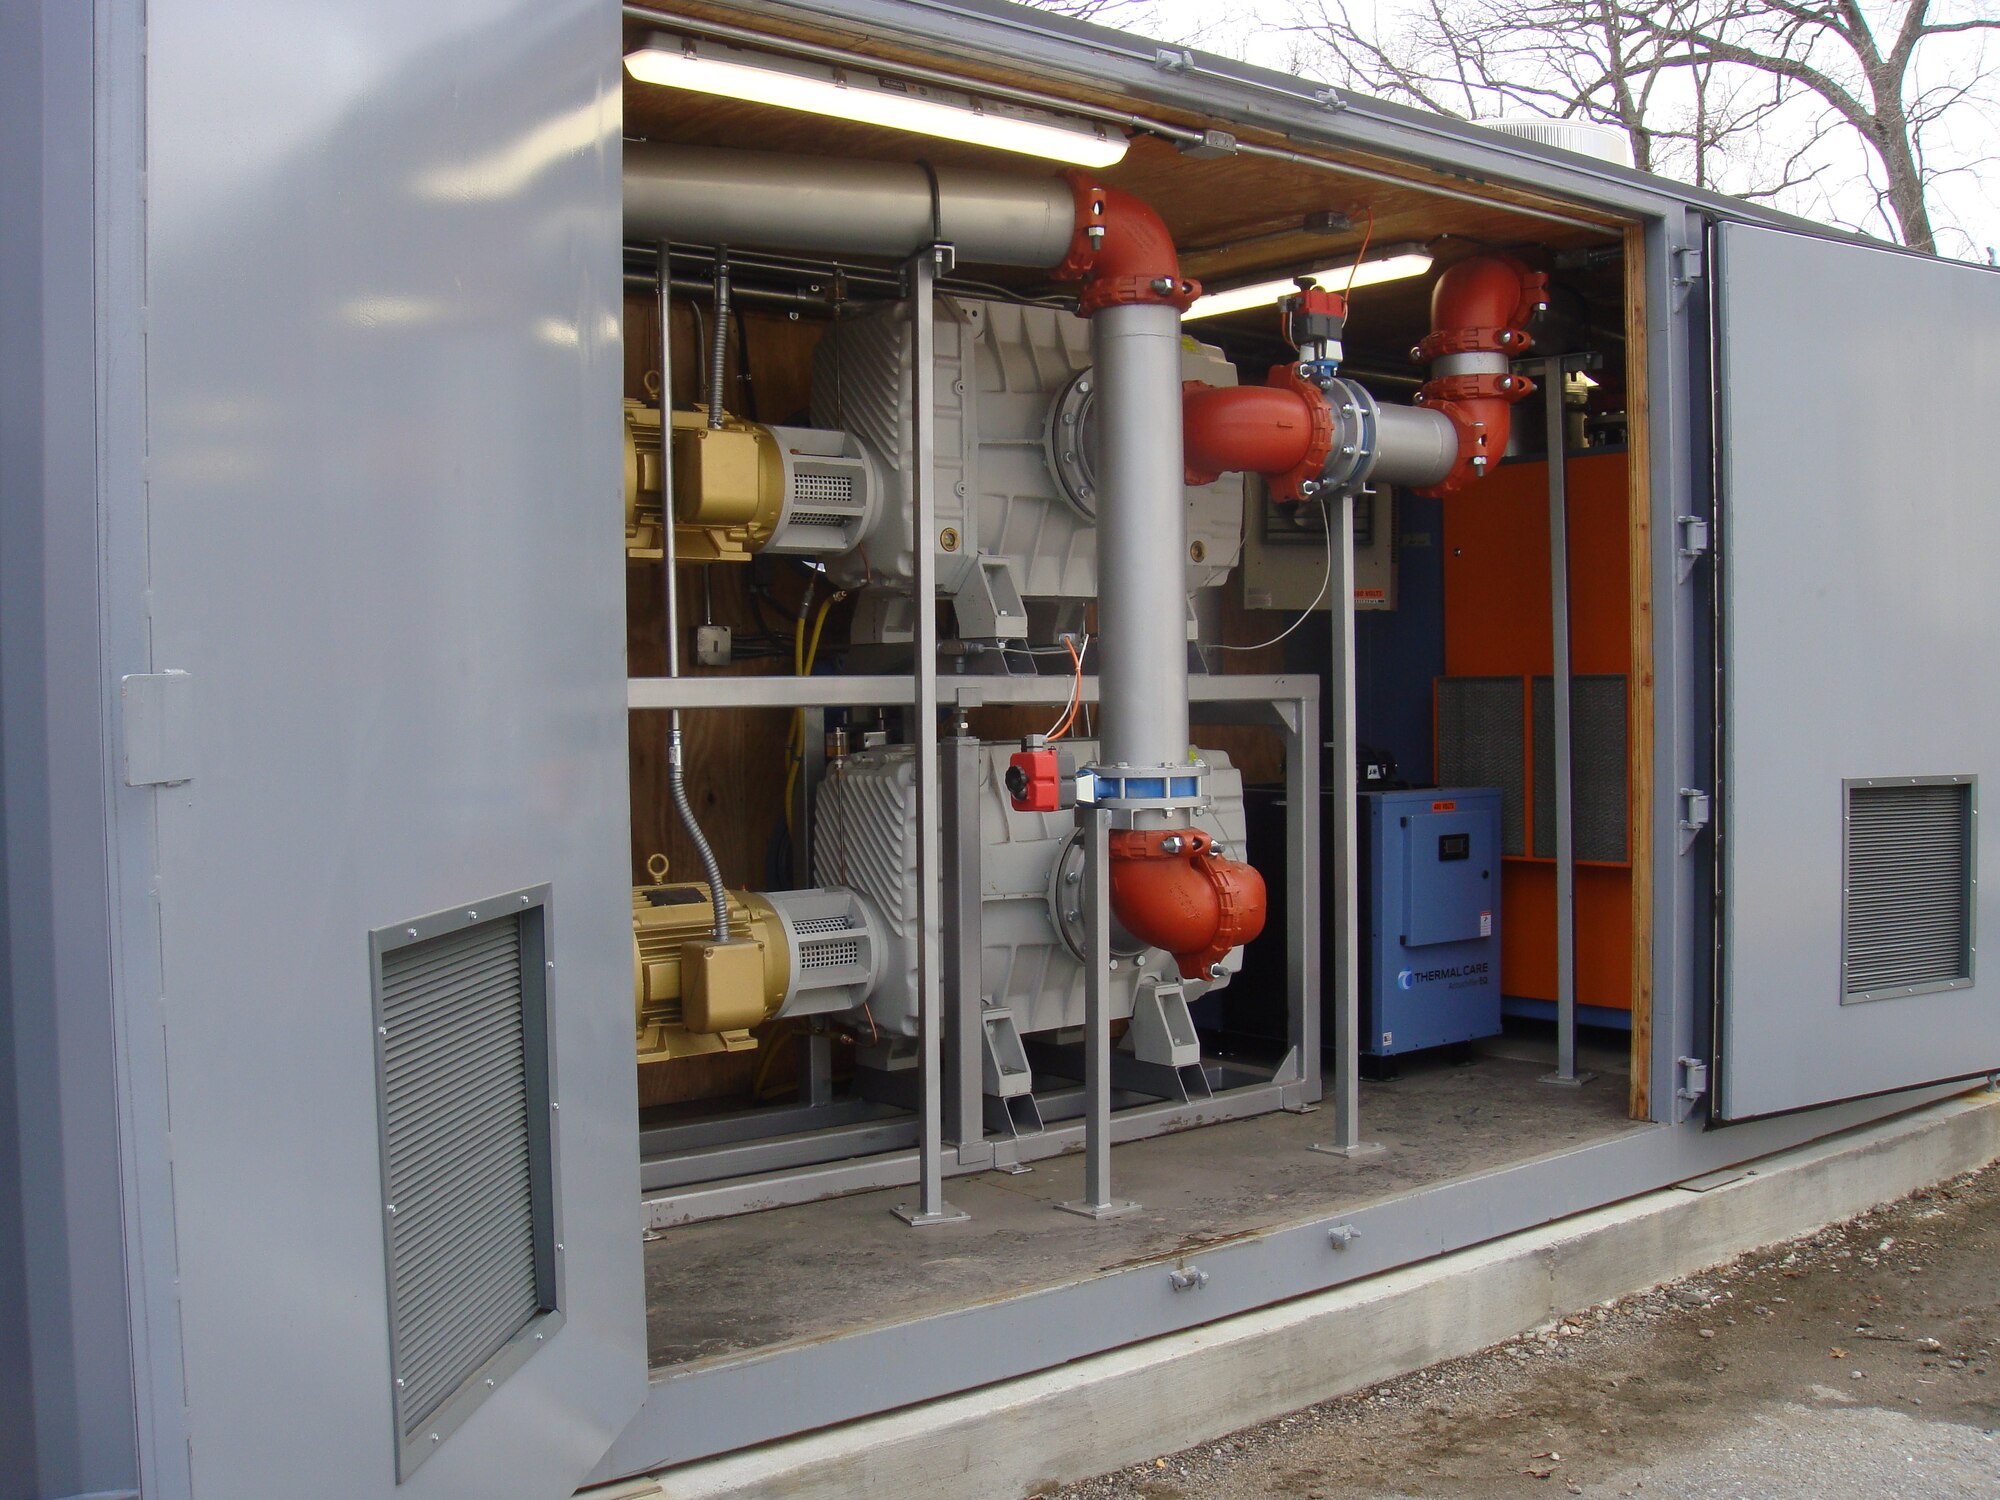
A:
[1344,788]
[964,1079]
[1096,1203]
[1559,684]
[930,1207]
[1303,943]
[816,1070]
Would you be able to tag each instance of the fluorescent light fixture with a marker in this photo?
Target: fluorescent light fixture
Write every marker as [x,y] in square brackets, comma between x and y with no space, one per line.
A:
[1393,264]
[705,67]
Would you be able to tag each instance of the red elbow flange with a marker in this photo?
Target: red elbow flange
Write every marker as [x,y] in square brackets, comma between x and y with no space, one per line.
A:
[1172,890]
[1480,306]
[1282,430]
[1121,251]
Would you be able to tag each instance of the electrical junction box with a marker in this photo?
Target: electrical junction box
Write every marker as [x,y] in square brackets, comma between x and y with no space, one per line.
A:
[1284,551]
[1430,918]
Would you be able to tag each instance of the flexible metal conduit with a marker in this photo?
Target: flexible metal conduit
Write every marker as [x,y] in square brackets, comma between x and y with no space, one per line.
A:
[676,754]
[718,343]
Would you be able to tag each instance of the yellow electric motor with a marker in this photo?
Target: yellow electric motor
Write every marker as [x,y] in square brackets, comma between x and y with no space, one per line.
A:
[691,994]
[729,486]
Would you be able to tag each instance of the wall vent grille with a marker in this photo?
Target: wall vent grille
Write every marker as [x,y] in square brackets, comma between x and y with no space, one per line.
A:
[1907,887]
[1599,773]
[468,1200]
[1480,743]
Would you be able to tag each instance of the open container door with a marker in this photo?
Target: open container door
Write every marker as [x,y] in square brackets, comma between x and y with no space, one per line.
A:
[389,733]
[1859,629]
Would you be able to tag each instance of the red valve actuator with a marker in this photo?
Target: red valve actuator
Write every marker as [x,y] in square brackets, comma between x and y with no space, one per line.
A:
[1041,778]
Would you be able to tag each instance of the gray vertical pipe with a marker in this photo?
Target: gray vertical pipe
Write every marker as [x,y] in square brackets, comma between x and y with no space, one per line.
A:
[1344,789]
[931,1207]
[1552,401]
[1094,823]
[1141,536]
[670,575]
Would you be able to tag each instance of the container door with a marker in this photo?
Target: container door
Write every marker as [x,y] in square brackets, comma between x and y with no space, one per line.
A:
[383,370]
[1859,627]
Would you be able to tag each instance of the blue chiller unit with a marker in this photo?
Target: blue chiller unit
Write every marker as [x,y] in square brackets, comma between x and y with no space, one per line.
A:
[1429,918]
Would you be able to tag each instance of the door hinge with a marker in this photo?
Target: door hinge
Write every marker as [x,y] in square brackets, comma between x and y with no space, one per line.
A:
[1694,536]
[1694,809]
[158,722]
[1687,265]
[1694,1079]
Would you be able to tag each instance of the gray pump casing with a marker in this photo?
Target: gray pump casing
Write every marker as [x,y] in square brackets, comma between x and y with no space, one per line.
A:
[864,840]
[1015,504]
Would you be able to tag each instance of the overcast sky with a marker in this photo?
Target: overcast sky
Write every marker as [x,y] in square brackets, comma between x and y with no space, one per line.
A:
[1965,206]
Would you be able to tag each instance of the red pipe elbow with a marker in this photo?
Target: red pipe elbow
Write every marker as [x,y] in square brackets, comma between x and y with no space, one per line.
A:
[1479,307]
[1121,251]
[1281,430]
[1258,429]
[1172,890]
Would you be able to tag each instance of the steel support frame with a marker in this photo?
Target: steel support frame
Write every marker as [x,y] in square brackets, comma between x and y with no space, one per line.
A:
[710,1170]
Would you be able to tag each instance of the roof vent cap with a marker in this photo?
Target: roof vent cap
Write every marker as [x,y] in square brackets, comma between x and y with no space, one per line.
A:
[1585,137]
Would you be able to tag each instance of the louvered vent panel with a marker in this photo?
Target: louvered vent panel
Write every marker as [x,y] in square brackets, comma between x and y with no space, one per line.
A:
[1598,771]
[1480,743]
[458,1160]
[1907,922]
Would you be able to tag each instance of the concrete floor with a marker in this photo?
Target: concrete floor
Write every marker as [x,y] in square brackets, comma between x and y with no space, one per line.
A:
[819,1269]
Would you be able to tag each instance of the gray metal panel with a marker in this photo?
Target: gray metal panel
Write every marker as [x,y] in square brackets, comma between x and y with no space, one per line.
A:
[383,369]
[66,1317]
[1859,626]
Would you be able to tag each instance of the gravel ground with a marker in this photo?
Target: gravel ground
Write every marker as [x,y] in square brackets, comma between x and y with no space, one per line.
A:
[1858,1361]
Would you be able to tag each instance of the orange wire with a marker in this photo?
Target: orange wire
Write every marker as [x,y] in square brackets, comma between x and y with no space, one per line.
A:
[1361,254]
[1075,695]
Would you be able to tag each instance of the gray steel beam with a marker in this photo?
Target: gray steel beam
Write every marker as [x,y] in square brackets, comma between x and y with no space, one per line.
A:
[1064,1108]
[653,693]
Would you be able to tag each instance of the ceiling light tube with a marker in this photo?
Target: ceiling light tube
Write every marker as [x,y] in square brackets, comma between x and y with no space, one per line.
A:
[1393,264]
[706,67]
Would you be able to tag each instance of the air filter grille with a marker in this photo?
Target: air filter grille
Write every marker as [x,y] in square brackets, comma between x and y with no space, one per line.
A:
[1598,770]
[1480,743]
[1906,921]
[467,1200]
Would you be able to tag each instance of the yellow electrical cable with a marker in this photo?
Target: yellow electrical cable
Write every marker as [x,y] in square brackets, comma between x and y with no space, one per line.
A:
[804,655]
